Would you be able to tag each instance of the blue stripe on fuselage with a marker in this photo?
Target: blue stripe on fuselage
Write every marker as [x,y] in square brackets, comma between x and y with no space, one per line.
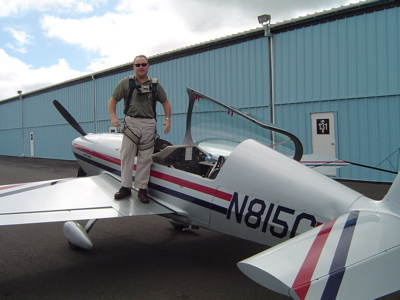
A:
[159,188]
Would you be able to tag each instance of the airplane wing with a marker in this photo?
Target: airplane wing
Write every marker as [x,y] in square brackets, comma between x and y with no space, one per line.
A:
[355,256]
[70,199]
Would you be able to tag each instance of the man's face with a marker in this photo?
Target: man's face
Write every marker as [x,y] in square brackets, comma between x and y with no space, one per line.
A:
[140,70]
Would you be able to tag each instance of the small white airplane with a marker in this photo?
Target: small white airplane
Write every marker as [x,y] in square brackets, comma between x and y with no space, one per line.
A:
[328,241]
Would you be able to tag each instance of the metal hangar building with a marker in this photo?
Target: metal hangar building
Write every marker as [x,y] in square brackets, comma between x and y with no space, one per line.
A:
[340,66]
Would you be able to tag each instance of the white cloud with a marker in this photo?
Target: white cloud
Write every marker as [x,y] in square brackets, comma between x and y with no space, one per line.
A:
[18,6]
[84,7]
[115,37]
[22,6]
[16,75]
[21,40]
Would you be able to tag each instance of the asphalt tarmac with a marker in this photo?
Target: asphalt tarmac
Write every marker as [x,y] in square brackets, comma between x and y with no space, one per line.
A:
[133,258]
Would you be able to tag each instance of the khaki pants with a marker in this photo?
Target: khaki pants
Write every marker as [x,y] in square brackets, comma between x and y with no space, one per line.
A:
[145,130]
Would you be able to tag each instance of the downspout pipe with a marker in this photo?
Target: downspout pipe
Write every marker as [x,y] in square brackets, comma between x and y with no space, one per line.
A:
[271,78]
[268,34]
[94,104]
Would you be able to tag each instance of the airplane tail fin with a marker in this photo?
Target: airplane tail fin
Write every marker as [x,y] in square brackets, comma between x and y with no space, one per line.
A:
[334,260]
[394,192]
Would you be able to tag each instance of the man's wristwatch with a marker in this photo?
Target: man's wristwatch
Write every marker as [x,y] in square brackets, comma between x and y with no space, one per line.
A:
[166,119]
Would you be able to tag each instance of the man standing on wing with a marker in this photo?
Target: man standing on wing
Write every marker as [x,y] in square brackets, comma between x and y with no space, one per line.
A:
[139,126]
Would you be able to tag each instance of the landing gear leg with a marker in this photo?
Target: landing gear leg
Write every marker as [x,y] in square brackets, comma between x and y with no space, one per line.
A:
[182,226]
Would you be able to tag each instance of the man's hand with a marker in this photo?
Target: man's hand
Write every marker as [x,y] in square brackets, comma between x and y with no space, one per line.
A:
[167,124]
[167,111]
[112,108]
[115,122]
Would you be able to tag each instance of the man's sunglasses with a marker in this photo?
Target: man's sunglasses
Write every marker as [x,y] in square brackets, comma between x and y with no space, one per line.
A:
[143,65]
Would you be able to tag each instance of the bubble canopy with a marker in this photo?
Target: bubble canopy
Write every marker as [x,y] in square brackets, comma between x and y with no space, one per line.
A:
[218,128]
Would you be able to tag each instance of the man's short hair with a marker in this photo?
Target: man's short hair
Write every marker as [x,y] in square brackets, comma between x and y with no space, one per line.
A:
[144,56]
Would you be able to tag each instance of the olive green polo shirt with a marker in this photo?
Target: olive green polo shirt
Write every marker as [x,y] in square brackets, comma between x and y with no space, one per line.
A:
[142,101]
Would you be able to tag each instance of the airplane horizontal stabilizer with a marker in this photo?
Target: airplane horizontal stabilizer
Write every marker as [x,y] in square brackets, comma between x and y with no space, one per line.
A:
[70,199]
[355,256]
[322,164]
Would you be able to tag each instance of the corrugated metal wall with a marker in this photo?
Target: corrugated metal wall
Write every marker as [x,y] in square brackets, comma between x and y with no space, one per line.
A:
[352,67]
[349,66]
[52,137]
[10,129]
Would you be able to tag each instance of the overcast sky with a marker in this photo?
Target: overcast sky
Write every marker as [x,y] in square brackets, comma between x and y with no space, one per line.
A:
[44,42]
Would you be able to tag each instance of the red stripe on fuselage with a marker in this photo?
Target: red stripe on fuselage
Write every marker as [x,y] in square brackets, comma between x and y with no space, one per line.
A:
[162,176]
[302,282]
[191,185]
[99,155]
[11,186]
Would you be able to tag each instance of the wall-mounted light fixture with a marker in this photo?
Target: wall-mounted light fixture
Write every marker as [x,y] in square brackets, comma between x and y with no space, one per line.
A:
[265,20]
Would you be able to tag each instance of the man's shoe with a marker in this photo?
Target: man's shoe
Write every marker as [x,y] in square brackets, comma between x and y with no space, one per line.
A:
[143,196]
[122,193]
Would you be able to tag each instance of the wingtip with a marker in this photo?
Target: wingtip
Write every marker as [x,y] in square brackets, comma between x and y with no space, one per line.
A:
[262,277]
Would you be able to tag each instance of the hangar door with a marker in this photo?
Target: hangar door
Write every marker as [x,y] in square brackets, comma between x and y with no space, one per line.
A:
[323,134]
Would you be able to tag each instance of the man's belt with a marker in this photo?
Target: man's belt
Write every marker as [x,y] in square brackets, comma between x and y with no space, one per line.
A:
[141,117]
